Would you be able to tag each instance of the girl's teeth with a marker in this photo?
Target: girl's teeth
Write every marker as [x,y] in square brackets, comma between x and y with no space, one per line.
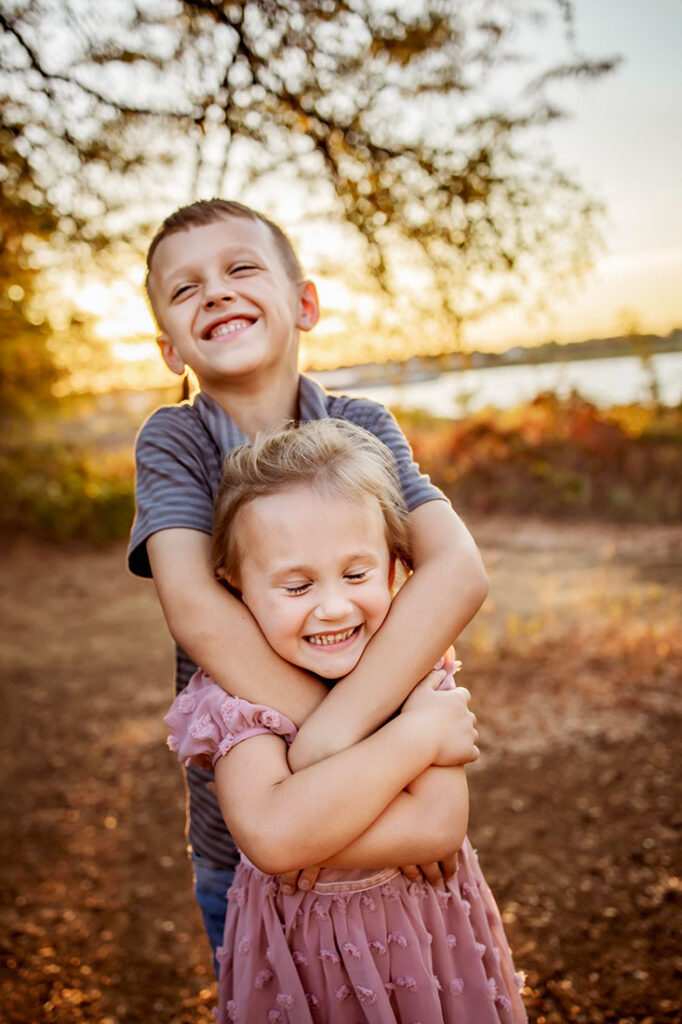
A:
[330,638]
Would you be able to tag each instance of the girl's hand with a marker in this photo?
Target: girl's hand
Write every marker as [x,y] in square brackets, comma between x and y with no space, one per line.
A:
[446,715]
[303,880]
[436,873]
[449,662]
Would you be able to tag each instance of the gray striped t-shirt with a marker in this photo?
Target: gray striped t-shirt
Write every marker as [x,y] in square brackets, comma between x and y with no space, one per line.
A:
[179,455]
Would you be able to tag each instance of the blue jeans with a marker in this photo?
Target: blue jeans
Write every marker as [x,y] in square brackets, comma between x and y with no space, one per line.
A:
[210,888]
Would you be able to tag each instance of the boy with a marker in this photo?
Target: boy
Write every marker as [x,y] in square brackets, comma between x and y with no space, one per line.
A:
[229,297]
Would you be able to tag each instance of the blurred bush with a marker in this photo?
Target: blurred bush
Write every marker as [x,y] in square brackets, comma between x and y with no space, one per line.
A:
[60,491]
[553,457]
[557,457]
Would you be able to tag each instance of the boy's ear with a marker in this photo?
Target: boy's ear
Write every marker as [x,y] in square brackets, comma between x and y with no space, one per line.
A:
[391,572]
[170,356]
[309,306]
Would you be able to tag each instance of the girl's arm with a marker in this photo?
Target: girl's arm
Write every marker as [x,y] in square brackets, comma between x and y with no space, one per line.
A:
[204,618]
[424,824]
[441,596]
[284,821]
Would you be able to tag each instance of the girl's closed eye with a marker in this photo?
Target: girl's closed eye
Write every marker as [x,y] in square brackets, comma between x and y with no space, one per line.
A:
[356,577]
[296,588]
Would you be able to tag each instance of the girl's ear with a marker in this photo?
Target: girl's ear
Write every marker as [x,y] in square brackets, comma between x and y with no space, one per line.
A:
[170,355]
[231,581]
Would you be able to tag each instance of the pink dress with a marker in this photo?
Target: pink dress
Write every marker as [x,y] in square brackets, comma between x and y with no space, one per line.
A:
[362,946]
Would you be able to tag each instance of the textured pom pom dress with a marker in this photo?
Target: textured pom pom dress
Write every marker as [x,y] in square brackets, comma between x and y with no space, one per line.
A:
[361,946]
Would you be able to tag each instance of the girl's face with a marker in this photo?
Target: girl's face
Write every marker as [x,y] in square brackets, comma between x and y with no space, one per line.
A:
[316,574]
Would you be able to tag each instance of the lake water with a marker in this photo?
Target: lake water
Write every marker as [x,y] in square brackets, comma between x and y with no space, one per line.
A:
[605,382]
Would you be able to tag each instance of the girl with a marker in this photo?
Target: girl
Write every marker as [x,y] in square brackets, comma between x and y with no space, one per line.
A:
[308,530]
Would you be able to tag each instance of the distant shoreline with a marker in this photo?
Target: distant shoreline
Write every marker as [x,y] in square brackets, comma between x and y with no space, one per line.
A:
[421,368]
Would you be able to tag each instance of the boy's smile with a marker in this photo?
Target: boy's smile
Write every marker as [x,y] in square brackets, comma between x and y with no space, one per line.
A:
[315,572]
[226,305]
[226,325]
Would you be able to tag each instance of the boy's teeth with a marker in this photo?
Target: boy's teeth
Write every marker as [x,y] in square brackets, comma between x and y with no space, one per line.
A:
[229,328]
[330,638]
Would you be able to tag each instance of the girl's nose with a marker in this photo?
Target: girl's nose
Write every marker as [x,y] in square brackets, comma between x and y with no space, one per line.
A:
[333,605]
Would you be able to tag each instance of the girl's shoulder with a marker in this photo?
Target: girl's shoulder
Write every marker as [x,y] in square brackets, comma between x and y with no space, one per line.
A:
[205,722]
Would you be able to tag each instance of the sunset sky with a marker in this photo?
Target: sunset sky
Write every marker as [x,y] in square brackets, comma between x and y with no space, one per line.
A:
[623,142]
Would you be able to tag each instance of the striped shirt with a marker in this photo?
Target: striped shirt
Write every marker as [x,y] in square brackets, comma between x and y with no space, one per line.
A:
[179,455]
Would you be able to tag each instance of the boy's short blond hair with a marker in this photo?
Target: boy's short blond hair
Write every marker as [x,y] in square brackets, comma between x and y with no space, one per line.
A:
[208,211]
[331,456]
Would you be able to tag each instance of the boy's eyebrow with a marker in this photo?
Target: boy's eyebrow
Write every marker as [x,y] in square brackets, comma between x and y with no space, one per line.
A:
[233,251]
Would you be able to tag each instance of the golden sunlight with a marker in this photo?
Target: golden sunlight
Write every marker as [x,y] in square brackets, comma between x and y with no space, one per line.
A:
[357,327]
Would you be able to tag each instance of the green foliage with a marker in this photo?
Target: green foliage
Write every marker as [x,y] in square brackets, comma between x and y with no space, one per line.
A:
[557,457]
[61,492]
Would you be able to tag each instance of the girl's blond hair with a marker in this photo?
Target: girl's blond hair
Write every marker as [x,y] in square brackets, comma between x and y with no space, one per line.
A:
[332,456]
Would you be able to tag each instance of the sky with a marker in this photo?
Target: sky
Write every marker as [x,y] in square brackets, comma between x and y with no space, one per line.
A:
[623,143]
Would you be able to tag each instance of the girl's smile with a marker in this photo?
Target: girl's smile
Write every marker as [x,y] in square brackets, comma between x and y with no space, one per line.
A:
[333,639]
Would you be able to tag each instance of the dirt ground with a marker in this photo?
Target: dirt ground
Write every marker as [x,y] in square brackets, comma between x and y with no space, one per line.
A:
[575,666]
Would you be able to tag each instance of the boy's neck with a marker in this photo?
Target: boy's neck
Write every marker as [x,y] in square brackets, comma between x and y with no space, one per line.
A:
[257,407]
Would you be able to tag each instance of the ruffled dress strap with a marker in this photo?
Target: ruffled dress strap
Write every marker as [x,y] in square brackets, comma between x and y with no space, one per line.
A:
[205,722]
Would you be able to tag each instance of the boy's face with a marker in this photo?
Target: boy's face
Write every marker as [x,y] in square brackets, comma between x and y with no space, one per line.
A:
[316,573]
[225,304]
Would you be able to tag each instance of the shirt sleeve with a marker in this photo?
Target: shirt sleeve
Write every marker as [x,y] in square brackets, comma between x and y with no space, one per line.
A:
[205,722]
[416,486]
[174,485]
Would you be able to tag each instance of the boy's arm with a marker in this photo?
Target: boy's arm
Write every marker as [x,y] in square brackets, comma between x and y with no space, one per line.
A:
[442,595]
[218,632]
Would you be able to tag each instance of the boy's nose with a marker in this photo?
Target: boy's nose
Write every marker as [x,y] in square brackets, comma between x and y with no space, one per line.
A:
[217,292]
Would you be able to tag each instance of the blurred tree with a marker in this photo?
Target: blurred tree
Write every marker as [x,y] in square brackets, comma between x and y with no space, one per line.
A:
[414,123]
[27,367]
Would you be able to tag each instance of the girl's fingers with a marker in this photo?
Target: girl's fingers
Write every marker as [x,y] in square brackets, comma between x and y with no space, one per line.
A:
[431,680]
[433,874]
[449,661]
[412,872]
[294,880]
[449,866]
[307,878]
[288,882]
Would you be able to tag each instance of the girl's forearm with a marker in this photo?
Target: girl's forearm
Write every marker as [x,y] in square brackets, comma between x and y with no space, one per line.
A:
[442,595]
[425,823]
[297,820]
